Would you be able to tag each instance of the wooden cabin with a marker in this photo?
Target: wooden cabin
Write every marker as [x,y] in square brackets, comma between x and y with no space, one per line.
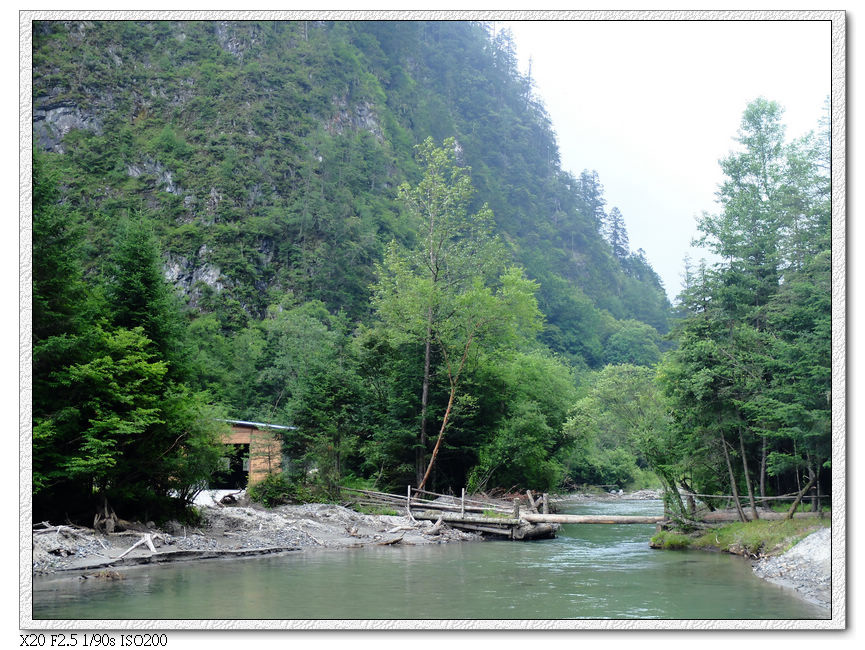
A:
[254,452]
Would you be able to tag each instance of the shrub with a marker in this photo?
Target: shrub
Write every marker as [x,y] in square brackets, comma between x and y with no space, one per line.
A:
[276,490]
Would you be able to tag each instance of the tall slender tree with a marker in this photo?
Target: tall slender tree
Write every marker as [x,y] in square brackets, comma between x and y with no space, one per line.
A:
[617,234]
[439,293]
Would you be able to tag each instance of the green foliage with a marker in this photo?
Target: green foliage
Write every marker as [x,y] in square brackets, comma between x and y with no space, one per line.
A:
[439,294]
[620,429]
[139,295]
[635,343]
[276,490]
[109,418]
[278,161]
[119,390]
[519,454]
[749,381]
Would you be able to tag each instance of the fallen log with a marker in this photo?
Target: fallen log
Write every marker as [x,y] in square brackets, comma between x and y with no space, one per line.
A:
[143,540]
[454,518]
[504,532]
[178,556]
[590,519]
[436,529]
[535,531]
[718,516]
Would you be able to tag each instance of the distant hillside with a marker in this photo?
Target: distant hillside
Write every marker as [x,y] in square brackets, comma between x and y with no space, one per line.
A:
[267,156]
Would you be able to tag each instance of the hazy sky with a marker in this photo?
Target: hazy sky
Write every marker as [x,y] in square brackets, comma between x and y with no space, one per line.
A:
[652,106]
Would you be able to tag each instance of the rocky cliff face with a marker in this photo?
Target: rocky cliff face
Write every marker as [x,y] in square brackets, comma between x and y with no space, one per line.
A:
[53,120]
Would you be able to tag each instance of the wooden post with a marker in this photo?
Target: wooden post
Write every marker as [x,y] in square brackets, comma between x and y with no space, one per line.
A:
[408,504]
[516,508]
[545,508]
[463,504]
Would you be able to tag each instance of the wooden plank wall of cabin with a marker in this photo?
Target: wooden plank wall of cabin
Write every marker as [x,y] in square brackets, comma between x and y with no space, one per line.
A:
[265,455]
[265,452]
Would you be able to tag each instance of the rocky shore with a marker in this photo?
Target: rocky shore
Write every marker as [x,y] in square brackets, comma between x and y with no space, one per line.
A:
[806,568]
[230,531]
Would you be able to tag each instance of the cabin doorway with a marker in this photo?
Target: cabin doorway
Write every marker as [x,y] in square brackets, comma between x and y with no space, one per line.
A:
[234,473]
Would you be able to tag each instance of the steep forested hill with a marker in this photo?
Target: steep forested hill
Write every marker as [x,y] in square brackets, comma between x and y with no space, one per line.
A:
[361,229]
[267,156]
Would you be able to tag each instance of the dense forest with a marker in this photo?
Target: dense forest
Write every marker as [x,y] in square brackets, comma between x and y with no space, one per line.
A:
[362,229]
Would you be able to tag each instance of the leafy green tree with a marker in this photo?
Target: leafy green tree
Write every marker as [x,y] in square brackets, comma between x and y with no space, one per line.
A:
[419,294]
[591,193]
[62,315]
[314,385]
[523,397]
[139,295]
[621,428]
[634,343]
[118,404]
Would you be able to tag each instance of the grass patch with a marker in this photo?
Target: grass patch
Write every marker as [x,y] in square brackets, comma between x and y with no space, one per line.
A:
[753,538]
[760,537]
[670,541]
[802,507]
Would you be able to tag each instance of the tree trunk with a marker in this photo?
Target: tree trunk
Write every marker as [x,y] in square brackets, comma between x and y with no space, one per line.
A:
[689,499]
[733,487]
[799,496]
[454,380]
[747,475]
[812,477]
[763,471]
[435,452]
[420,452]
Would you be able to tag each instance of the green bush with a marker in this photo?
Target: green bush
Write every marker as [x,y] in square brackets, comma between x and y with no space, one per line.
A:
[276,490]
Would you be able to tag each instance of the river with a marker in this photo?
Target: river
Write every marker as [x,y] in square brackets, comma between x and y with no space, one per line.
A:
[587,572]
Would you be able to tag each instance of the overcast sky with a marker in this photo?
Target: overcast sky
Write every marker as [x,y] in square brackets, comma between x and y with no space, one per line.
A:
[652,106]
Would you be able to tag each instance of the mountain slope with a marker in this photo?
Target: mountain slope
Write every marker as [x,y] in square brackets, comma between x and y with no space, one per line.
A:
[267,155]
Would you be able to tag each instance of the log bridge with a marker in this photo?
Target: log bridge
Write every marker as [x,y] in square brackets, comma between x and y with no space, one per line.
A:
[531,520]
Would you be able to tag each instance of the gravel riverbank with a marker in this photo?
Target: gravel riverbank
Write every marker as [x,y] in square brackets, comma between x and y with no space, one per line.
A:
[230,531]
[806,568]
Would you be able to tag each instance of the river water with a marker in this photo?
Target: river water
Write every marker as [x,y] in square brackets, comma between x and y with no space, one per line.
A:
[587,572]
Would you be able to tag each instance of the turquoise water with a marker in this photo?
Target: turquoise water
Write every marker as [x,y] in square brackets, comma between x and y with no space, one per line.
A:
[588,571]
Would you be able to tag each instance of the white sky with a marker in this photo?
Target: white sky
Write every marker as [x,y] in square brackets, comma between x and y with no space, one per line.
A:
[652,106]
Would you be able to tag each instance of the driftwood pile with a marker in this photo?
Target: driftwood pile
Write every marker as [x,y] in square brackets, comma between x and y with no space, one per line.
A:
[466,513]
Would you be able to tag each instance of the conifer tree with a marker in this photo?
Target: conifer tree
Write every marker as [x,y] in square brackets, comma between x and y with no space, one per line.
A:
[617,234]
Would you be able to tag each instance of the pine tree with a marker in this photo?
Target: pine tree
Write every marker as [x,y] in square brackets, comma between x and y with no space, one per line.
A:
[617,234]
[751,369]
